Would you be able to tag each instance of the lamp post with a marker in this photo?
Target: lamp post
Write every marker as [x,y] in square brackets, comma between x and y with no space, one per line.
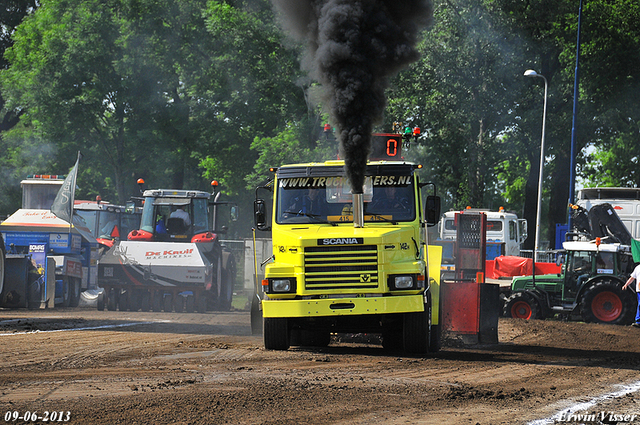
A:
[532,73]
[576,84]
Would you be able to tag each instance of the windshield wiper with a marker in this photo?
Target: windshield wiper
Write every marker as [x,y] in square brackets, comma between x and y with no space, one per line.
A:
[313,216]
[379,217]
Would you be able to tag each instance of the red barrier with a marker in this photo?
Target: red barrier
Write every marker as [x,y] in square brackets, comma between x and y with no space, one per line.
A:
[509,266]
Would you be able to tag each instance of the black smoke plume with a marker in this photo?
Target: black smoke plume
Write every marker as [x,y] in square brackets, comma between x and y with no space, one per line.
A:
[354,47]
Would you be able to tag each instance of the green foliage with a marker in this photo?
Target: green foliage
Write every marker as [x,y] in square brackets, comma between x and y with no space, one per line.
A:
[181,92]
[288,147]
[462,93]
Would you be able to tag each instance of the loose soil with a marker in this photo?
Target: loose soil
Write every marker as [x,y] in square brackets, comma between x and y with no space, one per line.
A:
[144,368]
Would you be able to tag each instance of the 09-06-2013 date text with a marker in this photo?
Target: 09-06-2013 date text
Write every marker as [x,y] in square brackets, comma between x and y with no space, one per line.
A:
[46,416]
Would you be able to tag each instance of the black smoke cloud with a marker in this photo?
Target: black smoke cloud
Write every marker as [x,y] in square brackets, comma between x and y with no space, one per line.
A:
[353,48]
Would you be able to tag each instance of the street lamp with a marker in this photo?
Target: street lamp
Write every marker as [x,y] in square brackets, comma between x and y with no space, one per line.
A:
[532,73]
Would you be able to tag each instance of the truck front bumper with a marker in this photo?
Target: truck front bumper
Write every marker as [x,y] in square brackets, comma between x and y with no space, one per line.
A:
[343,306]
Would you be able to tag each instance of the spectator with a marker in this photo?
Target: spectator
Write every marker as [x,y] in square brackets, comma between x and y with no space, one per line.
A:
[635,277]
[182,214]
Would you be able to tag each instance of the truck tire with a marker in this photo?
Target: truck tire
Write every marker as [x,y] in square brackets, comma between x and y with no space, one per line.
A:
[101,303]
[436,338]
[256,316]
[521,305]
[416,331]
[276,333]
[228,280]
[604,301]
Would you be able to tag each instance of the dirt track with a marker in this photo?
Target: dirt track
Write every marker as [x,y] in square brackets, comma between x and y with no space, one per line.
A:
[139,368]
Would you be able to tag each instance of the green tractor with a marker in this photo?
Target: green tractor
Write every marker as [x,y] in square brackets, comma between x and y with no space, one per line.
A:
[589,287]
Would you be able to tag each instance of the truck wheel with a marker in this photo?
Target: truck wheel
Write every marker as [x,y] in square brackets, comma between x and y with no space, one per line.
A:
[228,280]
[256,316]
[416,331]
[605,302]
[521,306]
[276,333]
[435,342]
[101,302]
[436,339]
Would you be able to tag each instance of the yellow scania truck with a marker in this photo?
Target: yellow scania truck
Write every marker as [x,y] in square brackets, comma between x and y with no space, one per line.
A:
[350,263]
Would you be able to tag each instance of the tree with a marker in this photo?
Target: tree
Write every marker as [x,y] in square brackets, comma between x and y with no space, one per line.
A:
[462,92]
[171,91]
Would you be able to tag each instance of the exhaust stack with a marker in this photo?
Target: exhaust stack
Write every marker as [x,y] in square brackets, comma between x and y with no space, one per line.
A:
[358,209]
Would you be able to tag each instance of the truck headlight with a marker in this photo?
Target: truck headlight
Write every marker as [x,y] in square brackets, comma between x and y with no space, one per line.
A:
[281,285]
[402,282]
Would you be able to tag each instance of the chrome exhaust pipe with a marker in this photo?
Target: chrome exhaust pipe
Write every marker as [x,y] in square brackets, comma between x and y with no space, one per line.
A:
[358,209]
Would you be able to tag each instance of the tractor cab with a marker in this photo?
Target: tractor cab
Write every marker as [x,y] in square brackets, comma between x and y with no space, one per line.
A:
[107,222]
[585,261]
[173,215]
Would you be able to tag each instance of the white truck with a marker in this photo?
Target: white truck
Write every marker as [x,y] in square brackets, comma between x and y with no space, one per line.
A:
[624,200]
[505,233]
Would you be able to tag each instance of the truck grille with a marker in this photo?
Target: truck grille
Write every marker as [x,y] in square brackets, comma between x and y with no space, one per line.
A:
[341,267]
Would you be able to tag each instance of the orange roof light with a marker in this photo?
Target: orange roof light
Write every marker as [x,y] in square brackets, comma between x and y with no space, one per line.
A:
[214,183]
[140,181]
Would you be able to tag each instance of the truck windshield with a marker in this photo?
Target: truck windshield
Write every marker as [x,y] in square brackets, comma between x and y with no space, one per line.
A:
[322,200]
[39,195]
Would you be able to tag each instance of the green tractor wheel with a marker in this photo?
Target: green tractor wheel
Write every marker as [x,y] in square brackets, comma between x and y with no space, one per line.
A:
[522,306]
[605,302]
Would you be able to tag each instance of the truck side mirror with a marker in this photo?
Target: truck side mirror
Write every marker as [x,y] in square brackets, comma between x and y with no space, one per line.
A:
[432,210]
[260,215]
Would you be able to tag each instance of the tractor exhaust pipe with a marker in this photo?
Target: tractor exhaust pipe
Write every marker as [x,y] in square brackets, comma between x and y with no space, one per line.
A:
[358,209]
